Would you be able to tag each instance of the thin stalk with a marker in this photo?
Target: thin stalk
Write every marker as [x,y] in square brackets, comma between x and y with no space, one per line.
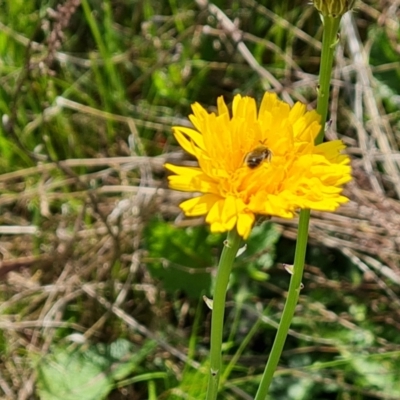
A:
[329,41]
[231,247]
[290,306]
[331,27]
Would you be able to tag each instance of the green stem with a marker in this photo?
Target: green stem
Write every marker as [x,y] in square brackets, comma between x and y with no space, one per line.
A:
[329,40]
[331,27]
[290,306]
[231,247]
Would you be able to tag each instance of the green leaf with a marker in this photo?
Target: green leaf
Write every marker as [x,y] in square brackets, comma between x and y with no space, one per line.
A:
[180,258]
[383,52]
[87,373]
[376,371]
[260,252]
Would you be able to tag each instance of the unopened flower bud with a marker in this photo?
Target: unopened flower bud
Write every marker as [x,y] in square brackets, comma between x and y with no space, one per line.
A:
[333,8]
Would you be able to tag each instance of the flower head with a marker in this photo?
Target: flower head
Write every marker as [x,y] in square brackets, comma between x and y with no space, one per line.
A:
[333,8]
[257,163]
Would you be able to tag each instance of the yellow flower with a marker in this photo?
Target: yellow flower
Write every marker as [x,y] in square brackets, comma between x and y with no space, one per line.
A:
[291,173]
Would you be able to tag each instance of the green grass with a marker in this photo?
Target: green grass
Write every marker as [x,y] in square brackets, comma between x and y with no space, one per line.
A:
[86,130]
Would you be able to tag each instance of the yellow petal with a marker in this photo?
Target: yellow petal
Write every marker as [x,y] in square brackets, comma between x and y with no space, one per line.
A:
[244,224]
[198,205]
[197,138]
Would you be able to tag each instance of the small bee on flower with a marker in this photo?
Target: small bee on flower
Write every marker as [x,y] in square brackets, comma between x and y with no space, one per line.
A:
[257,156]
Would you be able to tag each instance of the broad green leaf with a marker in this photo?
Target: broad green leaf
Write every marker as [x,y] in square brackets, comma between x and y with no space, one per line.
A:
[181,258]
[87,373]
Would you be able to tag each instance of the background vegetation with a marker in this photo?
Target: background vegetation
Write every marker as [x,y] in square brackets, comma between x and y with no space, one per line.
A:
[102,277]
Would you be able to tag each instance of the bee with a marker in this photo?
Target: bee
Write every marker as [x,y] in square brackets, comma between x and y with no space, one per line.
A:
[255,157]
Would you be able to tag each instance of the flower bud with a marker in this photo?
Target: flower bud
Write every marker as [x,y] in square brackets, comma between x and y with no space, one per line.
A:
[333,8]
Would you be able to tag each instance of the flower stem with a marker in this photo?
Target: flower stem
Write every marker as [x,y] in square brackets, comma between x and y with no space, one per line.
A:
[329,40]
[290,306]
[231,247]
[331,27]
